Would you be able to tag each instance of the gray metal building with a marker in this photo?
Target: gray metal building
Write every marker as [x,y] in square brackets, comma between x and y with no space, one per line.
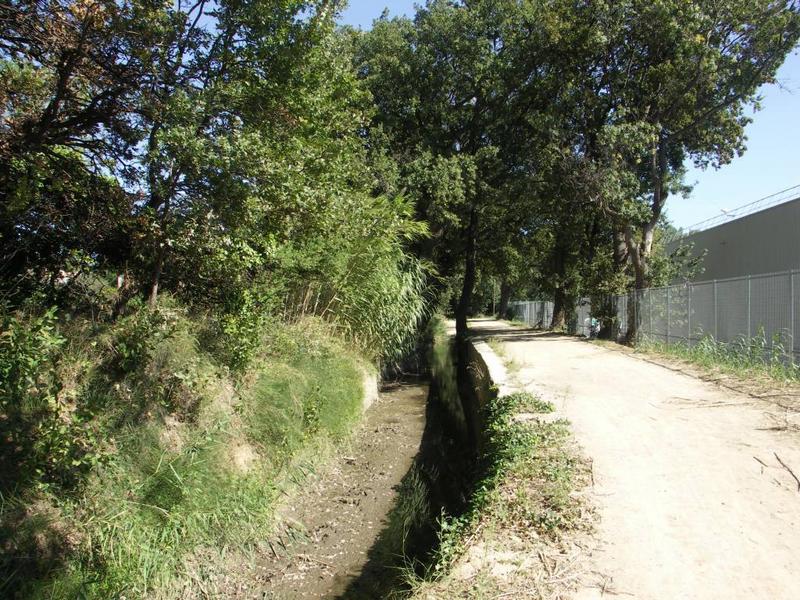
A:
[767,241]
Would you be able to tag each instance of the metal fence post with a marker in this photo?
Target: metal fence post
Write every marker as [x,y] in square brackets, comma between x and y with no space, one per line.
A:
[791,312]
[668,311]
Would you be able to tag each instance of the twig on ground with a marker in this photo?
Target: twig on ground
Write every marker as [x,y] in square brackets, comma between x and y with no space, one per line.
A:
[545,564]
[316,560]
[762,463]
[785,466]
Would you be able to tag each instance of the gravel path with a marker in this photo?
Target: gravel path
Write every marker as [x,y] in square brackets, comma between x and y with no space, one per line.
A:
[692,482]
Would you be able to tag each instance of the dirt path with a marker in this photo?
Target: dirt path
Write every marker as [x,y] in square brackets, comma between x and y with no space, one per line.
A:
[693,499]
[343,513]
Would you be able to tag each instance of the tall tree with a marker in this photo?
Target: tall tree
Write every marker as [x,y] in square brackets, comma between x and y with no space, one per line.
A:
[69,74]
[684,74]
[442,85]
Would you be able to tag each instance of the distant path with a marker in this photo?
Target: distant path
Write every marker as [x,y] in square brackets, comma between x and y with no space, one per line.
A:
[687,509]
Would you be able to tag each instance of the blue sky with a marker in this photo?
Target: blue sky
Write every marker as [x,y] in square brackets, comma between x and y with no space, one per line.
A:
[772,160]
[361,13]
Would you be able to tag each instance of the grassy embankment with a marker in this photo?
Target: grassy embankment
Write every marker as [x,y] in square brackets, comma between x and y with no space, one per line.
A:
[158,457]
[523,508]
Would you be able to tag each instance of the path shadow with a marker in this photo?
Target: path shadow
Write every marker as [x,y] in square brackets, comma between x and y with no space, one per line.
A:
[519,334]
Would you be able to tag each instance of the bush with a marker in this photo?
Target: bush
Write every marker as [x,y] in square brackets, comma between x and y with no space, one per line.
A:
[527,472]
[179,462]
[239,333]
[43,438]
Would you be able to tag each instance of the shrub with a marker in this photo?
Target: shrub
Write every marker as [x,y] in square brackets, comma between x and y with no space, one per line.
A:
[43,438]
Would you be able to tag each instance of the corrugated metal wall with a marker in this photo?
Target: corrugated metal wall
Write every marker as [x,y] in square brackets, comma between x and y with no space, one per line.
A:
[764,242]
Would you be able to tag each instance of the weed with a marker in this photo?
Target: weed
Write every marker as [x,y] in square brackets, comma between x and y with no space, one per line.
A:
[757,355]
[500,349]
[528,473]
[42,441]
[526,402]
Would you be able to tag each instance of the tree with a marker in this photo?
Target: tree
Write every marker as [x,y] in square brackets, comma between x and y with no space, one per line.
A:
[211,149]
[643,88]
[684,75]
[442,86]
[69,73]
[220,60]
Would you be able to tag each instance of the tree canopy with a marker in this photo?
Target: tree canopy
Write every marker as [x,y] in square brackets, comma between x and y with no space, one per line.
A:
[565,123]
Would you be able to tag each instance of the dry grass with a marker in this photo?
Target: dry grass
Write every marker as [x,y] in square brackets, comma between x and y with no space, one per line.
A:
[783,393]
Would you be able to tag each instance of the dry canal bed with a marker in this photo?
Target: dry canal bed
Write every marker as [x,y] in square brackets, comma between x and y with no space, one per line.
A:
[343,514]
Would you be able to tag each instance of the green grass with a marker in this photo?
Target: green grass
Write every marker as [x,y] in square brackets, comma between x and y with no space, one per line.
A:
[528,472]
[192,463]
[757,356]
[315,391]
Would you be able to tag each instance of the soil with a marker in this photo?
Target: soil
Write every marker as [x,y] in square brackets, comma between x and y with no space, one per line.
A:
[344,510]
[695,484]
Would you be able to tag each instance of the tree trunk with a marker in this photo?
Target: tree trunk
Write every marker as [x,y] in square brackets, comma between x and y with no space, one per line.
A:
[641,249]
[559,309]
[606,309]
[505,298]
[634,316]
[155,278]
[560,295]
[620,251]
[470,260]
[160,251]
[605,312]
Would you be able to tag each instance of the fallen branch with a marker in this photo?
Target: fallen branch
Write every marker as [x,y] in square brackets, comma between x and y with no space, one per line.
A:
[785,466]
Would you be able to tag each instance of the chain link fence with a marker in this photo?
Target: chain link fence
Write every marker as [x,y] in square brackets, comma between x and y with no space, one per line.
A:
[764,308]
[535,313]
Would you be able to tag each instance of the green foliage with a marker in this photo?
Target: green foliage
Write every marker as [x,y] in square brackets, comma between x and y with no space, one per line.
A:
[237,195]
[187,463]
[526,402]
[240,332]
[136,336]
[247,166]
[317,389]
[679,265]
[148,158]
[43,439]
[557,132]
[27,346]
